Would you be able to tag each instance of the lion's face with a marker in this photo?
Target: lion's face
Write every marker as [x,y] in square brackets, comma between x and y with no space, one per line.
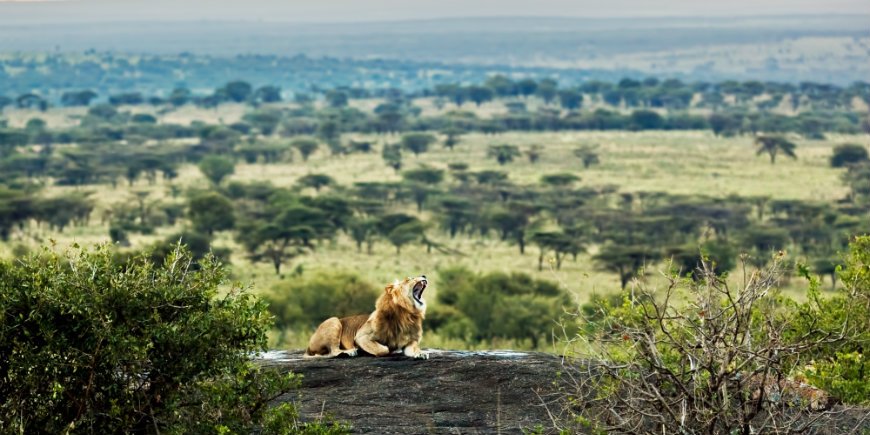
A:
[410,291]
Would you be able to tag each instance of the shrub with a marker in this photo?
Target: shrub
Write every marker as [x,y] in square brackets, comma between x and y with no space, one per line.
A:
[93,347]
[306,303]
[840,367]
[718,363]
[848,154]
[496,305]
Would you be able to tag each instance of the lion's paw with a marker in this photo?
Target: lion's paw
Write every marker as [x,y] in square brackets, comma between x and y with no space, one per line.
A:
[351,352]
[422,355]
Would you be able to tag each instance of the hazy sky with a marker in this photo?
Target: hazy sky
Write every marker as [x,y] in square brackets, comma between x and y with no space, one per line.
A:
[28,11]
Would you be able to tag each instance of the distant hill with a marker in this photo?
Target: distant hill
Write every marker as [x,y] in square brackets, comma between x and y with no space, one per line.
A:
[833,49]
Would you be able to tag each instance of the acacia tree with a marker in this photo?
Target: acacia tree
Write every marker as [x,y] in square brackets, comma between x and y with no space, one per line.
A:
[588,155]
[452,137]
[456,214]
[511,221]
[291,233]
[626,261]
[557,242]
[417,143]
[216,168]
[503,154]
[773,145]
[420,183]
[306,146]
[534,153]
[210,212]
[560,180]
[392,155]
[363,231]
[406,233]
[315,181]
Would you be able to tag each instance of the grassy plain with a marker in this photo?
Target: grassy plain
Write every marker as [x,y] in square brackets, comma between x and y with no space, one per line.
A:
[681,162]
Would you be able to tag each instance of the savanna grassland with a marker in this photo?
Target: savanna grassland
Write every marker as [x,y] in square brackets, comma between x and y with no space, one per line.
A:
[542,193]
[673,162]
[677,207]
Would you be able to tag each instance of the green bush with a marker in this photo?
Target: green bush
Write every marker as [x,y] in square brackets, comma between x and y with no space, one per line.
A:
[496,305]
[90,346]
[841,366]
[306,303]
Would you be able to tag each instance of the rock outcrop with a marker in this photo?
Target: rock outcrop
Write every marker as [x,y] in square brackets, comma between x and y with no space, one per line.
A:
[451,393]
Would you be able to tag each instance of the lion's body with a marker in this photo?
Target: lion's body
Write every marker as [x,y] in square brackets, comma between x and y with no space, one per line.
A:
[335,336]
[396,324]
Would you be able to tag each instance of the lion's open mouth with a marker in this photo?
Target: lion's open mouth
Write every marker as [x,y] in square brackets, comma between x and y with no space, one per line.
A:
[418,291]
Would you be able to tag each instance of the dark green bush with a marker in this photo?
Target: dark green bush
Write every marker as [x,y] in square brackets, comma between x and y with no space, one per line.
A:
[90,346]
[496,305]
[848,154]
[306,303]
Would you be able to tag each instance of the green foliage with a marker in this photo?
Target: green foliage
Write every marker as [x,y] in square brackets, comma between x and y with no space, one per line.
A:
[315,181]
[392,155]
[216,168]
[417,143]
[132,348]
[210,211]
[452,137]
[424,175]
[849,154]
[588,155]
[841,367]
[266,121]
[708,356]
[336,98]
[236,91]
[503,154]
[719,255]
[405,233]
[773,145]
[497,305]
[626,260]
[287,232]
[307,302]
[305,145]
[565,179]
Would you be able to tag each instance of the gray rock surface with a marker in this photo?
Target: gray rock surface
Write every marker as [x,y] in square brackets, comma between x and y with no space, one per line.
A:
[452,392]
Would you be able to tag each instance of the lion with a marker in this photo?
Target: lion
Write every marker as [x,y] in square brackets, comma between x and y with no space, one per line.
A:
[395,325]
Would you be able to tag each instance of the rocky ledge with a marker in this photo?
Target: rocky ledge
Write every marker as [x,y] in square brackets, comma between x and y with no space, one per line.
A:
[452,392]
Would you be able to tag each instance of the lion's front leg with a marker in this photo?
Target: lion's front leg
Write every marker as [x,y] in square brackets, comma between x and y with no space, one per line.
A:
[413,350]
[370,346]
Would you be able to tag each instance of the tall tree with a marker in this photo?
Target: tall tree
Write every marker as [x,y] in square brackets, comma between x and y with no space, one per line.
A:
[210,212]
[315,181]
[625,260]
[291,233]
[570,99]
[503,154]
[216,168]
[480,94]
[392,155]
[306,146]
[237,91]
[417,143]
[773,145]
